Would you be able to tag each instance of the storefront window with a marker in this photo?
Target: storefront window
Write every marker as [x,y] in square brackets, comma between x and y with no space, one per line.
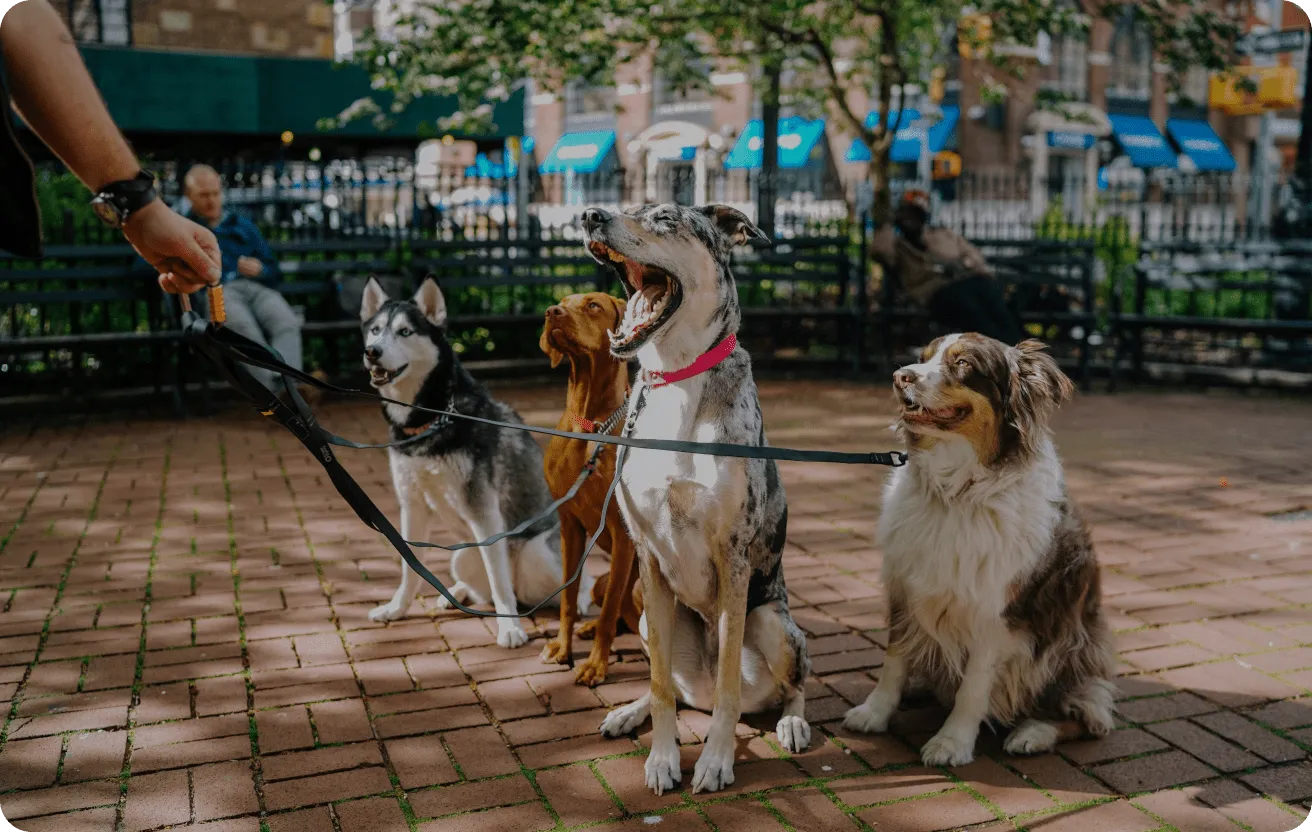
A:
[586,99]
[1132,58]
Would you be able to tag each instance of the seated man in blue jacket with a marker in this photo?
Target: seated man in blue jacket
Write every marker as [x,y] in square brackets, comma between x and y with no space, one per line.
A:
[255,309]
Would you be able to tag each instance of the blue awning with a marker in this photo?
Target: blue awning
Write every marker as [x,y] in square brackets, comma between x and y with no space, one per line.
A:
[580,152]
[941,133]
[798,138]
[1068,140]
[1142,141]
[484,168]
[1197,140]
[906,143]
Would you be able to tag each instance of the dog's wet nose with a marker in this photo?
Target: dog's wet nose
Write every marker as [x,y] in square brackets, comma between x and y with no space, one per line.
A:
[556,311]
[373,353]
[904,378]
[593,218]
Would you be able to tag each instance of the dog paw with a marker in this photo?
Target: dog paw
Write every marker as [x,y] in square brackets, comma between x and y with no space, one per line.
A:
[555,652]
[587,630]
[714,770]
[947,750]
[870,717]
[393,610]
[1031,737]
[662,768]
[794,734]
[459,590]
[624,720]
[592,671]
[510,634]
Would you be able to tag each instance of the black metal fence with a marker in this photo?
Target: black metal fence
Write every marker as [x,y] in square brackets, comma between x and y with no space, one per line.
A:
[1119,288]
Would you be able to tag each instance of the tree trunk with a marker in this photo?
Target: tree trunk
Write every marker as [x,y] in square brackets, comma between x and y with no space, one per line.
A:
[766,184]
[881,205]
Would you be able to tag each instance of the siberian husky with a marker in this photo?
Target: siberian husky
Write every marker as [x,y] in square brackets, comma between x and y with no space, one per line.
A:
[481,479]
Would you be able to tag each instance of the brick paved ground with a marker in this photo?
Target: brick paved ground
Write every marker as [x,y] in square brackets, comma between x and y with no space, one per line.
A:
[183,635]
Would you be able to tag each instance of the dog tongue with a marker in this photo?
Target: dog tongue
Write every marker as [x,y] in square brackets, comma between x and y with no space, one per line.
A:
[634,272]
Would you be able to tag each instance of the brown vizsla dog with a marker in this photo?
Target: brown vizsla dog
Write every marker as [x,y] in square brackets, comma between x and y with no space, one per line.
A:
[576,329]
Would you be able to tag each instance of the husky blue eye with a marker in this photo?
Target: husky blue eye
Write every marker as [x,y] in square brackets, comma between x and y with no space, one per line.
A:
[375,330]
[405,332]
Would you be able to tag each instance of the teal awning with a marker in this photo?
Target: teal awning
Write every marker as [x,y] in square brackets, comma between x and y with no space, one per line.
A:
[906,142]
[797,138]
[149,91]
[581,152]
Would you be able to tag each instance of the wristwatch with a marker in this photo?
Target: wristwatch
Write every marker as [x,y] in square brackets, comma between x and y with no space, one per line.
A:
[119,200]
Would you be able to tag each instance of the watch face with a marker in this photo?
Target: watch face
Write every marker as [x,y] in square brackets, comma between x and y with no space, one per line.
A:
[107,213]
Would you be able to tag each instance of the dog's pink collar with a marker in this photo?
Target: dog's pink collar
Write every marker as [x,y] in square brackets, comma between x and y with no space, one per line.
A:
[659,378]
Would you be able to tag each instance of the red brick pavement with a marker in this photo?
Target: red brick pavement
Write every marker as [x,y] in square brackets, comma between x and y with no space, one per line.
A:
[184,639]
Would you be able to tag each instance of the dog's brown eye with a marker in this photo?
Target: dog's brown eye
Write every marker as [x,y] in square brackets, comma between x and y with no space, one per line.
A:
[594,306]
[963,363]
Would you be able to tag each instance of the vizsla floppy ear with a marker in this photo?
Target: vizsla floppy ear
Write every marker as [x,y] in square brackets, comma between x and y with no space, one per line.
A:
[620,305]
[546,346]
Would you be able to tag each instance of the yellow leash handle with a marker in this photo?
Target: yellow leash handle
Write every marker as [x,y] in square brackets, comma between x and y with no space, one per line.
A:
[217,313]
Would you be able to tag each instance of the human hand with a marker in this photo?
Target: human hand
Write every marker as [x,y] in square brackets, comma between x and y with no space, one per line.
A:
[249,267]
[185,254]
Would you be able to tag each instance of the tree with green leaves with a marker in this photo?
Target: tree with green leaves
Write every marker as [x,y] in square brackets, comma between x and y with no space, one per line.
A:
[832,55]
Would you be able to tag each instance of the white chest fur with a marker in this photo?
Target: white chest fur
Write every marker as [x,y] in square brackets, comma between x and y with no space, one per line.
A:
[955,531]
[677,503]
[442,483]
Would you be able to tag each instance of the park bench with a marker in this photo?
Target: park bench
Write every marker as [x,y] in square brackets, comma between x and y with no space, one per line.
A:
[85,318]
[1241,307]
[317,274]
[799,301]
[1050,288]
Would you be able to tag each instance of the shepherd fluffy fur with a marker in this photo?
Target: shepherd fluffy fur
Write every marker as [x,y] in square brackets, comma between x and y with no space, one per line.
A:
[992,581]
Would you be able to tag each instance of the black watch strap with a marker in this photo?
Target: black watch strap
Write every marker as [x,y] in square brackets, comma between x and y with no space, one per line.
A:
[115,202]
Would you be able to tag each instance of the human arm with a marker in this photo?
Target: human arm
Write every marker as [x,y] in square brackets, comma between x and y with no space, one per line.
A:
[55,95]
[262,262]
[883,245]
[972,259]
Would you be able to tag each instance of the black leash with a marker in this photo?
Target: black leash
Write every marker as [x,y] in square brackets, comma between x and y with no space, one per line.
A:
[255,354]
[230,350]
[221,344]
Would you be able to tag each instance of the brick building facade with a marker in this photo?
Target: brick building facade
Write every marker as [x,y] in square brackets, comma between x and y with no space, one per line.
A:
[299,28]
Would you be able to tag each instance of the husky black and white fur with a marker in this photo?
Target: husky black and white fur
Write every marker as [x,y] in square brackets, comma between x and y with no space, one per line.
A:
[992,581]
[481,479]
[709,531]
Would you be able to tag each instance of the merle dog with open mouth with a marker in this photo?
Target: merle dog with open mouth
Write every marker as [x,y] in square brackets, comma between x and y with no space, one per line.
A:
[481,479]
[709,531]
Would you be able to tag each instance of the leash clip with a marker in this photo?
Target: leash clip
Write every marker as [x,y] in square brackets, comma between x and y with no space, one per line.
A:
[899,458]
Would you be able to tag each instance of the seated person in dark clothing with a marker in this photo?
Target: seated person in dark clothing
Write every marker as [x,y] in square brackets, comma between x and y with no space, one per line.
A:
[941,271]
[254,308]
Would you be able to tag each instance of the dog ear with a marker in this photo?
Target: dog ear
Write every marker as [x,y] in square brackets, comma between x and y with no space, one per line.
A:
[373,299]
[1038,387]
[430,301]
[620,305]
[733,224]
[546,346]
